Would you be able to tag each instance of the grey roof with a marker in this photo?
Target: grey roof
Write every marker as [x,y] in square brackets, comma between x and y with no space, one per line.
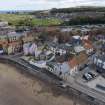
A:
[52,44]
[102,57]
[65,47]
[60,46]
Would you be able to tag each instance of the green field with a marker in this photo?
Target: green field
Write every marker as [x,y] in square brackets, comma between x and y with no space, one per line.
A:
[28,20]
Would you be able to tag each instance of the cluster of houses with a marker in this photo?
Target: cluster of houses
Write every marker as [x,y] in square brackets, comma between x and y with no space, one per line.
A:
[66,16]
[70,60]
[99,59]
[12,42]
[77,44]
[62,59]
[67,58]
[9,39]
[77,57]
[69,16]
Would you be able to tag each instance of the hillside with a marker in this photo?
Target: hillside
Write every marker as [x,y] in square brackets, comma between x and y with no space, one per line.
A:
[78,9]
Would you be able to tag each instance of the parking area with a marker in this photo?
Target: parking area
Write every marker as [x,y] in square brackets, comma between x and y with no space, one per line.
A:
[97,82]
[80,79]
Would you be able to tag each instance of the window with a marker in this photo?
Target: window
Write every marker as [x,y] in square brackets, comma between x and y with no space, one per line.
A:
[60,73]
[104,65]
[99,63]
[95,60]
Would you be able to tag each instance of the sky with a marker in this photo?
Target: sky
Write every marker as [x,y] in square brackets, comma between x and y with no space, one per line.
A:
[46,4]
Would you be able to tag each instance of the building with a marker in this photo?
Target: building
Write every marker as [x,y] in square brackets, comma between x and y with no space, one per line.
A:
[100,38]
[5,28]
[89,48]
[52,47]
[61,70]
[79,48]
[73,63]
[60,49]
[99,61]
[14,42]
[28,38]
[86,37]
[26,48]
[11,43]
[31,49]
[9,40]
[102,49]
[14,47]
[3,43]
[77,62]
[75,40]
[82,59]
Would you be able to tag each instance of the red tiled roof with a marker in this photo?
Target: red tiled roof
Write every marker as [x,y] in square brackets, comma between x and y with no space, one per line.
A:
[77,60]
[14,43]
[73,62]
[81,58]
[88,45]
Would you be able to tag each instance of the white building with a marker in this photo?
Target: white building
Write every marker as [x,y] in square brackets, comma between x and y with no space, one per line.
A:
[61,70]
[30,49]
[99,61]
[79,49]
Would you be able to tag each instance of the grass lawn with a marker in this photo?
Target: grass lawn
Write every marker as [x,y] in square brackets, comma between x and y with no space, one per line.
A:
[46,22]
[28,19]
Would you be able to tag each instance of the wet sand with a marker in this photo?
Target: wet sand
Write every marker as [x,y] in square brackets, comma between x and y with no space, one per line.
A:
[19,89]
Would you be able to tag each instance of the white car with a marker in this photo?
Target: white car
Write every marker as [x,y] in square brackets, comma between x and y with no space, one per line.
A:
[1,51]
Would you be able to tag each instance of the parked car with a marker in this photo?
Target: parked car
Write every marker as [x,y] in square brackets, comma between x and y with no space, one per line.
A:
[92,74]
[87,76]
[100,87]
[1,51]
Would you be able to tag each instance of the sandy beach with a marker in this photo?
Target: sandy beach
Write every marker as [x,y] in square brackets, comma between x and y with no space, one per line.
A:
[19,89]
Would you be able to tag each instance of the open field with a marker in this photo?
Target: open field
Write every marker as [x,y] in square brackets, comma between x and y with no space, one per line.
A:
[21,19]
[19,89]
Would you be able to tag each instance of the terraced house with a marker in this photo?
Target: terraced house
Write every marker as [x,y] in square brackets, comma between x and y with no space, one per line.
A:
[77,62]
[11,43]
[3,43]
[99,61]
[14,42]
